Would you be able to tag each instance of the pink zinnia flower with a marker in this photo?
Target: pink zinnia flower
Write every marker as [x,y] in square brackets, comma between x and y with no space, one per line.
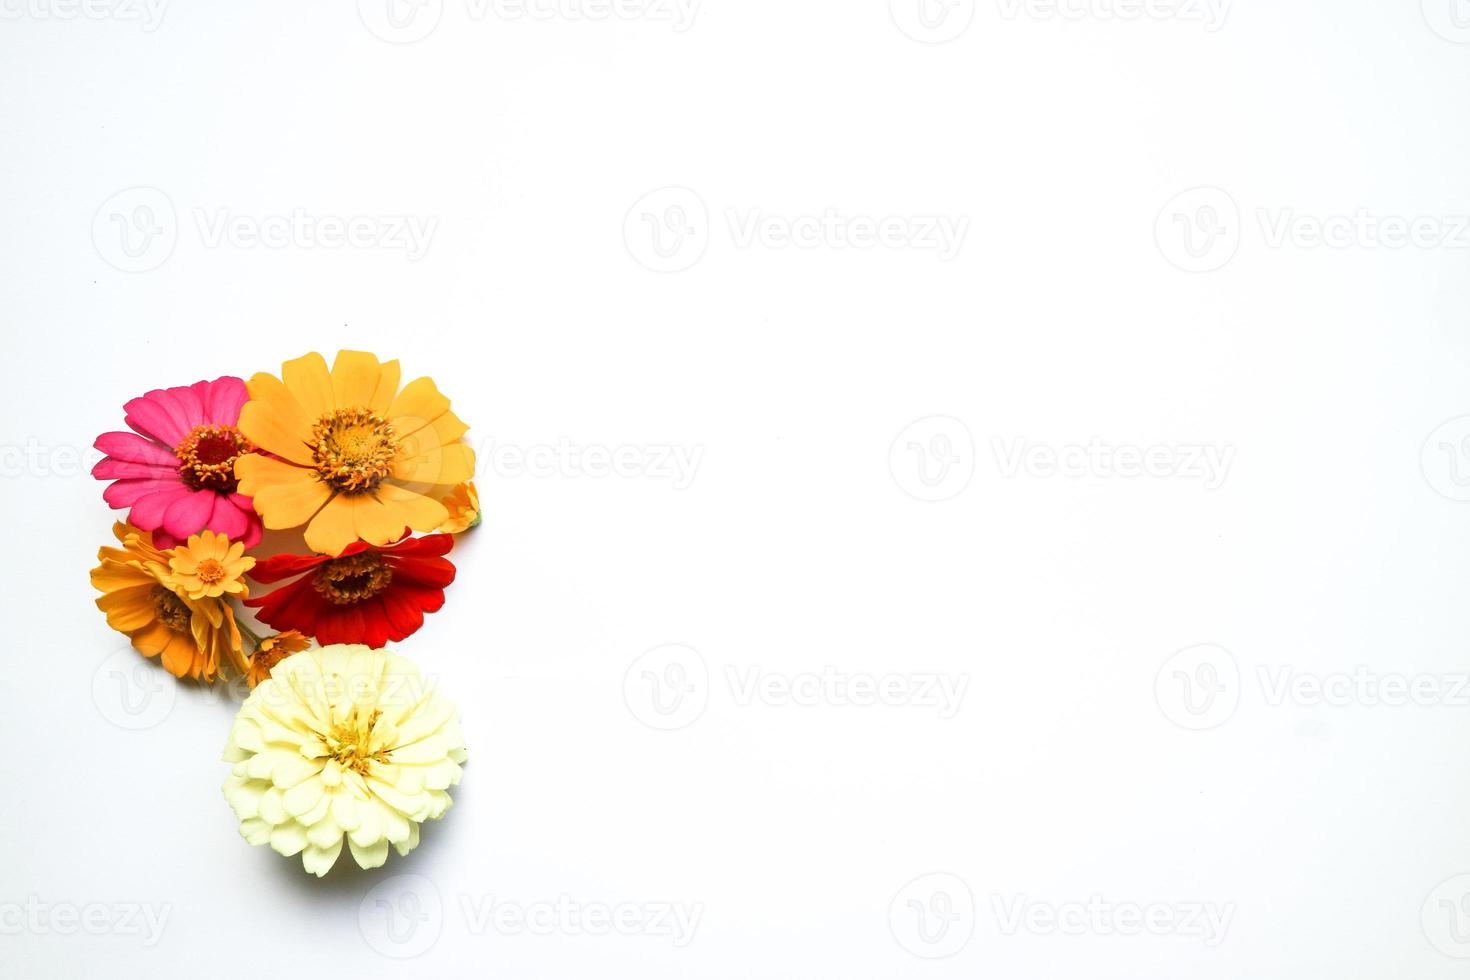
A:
[176,469]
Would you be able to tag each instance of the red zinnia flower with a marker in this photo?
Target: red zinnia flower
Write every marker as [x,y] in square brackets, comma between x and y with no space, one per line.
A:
[368,594]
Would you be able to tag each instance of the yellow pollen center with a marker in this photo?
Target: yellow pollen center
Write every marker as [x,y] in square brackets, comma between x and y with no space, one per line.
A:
[351,742]
[207,457]
[343,581]
[210,572]
[171,610]
[353,449]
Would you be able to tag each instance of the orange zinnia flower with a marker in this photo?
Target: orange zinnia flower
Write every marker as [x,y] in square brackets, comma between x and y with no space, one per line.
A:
[352,457]
[463,504]
[143,599]
[208,566]
[271,651]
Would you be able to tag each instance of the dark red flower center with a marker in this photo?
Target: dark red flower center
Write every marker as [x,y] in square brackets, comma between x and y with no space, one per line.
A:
[207,457]
[352,578]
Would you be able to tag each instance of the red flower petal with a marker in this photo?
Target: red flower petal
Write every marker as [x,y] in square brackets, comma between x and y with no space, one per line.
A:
[429,546]
[350,624]
[429,600]
[278,567]
[295,605]
[405,615]
[433,573]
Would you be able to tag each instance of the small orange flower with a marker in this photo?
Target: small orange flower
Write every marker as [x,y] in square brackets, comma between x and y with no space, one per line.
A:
[194,637]
[463,504]
[209,566]
[272,650]
[351,456]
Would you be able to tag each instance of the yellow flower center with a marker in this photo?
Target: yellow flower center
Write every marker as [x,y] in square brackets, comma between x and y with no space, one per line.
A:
[171,610]
[210,572]
[353,449]
[354,578]
[207,457]
[351,742]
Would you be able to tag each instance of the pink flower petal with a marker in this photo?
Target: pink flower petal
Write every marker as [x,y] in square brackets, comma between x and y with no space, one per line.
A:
[164,541]
[188,514]
[148,512]
[127,493]
[224,399]
[242,503]
[226,519]
[252,533]
[116,469]
[189,405]
[133,448]
[156,418]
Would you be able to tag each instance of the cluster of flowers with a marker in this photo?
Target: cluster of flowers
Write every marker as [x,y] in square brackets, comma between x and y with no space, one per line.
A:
[342,741]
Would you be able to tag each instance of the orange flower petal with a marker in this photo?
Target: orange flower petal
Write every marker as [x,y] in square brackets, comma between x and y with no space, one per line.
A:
[332,528]
[359,381]
[275,421]
[380,518]
[449,465]
[151,640]
[128,609]
[446,430]
[375,520]
[231,644]
[413,509]
[310,384]
[179,655]
[284,495]
[113,575]
[416,406]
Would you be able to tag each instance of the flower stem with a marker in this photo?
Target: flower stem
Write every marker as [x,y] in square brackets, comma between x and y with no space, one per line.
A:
[248,632]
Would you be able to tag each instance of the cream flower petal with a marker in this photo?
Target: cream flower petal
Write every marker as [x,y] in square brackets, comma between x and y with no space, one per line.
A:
[288,839]
[319,860]
[375,855]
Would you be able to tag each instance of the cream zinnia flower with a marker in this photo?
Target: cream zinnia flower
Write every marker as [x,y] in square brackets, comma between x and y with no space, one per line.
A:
[342,740]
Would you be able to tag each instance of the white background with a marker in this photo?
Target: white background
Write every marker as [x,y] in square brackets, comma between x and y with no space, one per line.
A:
[1074,770]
